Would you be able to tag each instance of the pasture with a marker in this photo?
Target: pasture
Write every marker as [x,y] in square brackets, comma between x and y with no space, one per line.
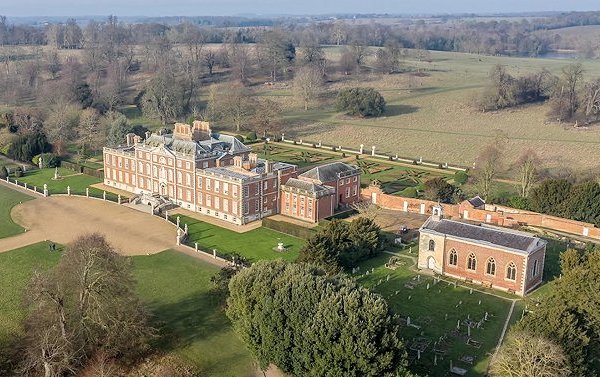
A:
[430,114]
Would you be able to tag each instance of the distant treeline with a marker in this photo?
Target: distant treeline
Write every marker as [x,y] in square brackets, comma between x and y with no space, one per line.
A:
[506,37]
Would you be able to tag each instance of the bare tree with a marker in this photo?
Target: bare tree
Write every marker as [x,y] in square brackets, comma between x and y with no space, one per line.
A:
[529,355]
[489,164]
[232,103]
[267,117]
[592,100]
[209,58]
[565,100]
[347,62]
[308,84]
[61,123]
[367,209]
[527,164]
[84,306]
[89,131]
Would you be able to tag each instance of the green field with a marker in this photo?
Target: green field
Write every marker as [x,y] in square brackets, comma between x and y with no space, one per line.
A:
[430,113]
[428,308]
[255,245]
[176,288]
[8,199]
[16,270]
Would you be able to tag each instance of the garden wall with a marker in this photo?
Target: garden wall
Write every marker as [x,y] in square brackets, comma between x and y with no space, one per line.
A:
[496,215]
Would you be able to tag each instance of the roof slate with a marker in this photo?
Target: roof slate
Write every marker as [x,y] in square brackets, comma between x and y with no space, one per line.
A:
[329,172]
[519,241]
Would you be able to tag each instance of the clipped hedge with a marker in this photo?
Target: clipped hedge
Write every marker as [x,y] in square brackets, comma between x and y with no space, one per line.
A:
[82,169]
[461,177]
[288,228]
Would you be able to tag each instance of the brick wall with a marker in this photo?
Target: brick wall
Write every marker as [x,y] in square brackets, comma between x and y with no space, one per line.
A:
[496,215]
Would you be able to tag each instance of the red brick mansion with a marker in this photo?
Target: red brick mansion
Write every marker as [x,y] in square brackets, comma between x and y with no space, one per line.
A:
[217,175]
[495,257]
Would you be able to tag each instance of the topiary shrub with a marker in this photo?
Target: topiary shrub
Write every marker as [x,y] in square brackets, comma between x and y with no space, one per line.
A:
[409,192]
[251,136]
[365,102]
[49,160]
[461,177]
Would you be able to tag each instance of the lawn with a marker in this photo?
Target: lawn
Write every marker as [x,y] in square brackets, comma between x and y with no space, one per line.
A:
[16,269]
[8,199]
[428,308]
[76,181]
[194,326]
[255,245]
[176,288]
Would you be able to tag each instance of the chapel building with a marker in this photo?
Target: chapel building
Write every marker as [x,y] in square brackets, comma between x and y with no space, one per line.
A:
[495,257]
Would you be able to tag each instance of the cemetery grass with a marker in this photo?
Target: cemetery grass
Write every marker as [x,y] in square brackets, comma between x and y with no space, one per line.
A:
[76,181]
[176,287]
[8,199]
[255,245]
[427,309]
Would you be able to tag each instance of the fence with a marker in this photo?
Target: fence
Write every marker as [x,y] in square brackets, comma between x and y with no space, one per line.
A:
[372,153]
[495,215]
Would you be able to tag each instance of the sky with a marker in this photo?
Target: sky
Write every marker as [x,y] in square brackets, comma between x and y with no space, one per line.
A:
[15,8]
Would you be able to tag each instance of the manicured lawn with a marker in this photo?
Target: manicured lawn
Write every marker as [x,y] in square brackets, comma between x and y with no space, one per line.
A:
[8,199]
[16,269]
[427,309]
[194,325]
[77,182]
[176,288]
[255,245]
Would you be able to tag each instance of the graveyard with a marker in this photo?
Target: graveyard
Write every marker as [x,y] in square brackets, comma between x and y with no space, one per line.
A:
[443,324]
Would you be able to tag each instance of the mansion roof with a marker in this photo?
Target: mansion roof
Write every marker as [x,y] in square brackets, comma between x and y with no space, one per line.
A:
[218,144]
[331,172]
[486,235]
[310,188]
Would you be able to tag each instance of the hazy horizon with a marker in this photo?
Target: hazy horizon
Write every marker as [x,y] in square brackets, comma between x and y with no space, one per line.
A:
[157,8]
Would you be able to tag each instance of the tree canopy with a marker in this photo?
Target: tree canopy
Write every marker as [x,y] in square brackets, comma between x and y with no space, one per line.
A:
[308,324]
[365,102]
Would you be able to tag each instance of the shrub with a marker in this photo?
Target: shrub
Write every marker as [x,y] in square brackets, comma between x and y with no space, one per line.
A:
[239,137]
[343,154]
[519,202]
[26,146]
[49,160]
[409,192]
[18,172]
[360,101]
[251,136]
[461,177]
[3,172]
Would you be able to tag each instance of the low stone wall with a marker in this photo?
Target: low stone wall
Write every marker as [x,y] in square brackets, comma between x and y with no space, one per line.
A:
[495,215]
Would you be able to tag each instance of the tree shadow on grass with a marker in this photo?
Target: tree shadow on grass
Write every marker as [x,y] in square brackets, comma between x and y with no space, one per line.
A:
[193,318]
[393,110]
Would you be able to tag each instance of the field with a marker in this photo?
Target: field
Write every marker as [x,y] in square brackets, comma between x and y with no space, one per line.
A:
[255,244]
[8,199]
[428,315]
[176,288]
[430,114]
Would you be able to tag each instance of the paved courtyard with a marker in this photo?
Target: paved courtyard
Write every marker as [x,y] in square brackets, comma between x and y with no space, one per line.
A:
[62,219]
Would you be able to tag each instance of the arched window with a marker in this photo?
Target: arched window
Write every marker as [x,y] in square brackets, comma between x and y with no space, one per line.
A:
[511,271]
[472,262]
[431,245]
[453,258]
[490,267]
[534,270]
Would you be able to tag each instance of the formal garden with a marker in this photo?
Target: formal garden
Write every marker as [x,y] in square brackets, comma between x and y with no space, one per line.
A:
[302,157]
